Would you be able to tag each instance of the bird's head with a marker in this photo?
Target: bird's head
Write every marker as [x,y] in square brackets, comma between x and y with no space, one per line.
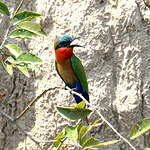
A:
[64,41]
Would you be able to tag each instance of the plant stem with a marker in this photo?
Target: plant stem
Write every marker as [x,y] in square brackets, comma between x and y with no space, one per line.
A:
[19,6]
[34,100]
[73,92]
[9,26]
[5,36]
[103,118]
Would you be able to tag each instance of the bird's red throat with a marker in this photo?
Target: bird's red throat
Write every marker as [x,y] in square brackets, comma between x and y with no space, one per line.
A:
[63,54]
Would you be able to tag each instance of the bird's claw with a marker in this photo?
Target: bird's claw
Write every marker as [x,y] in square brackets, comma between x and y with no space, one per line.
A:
[65,87]
[73,89]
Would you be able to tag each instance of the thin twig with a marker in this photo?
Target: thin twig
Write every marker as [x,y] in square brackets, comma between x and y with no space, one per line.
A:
[5,36]
[102,117]
[73,92]
[124,139]
[20,5]
[34,100]
[7,116]
[59,146]
[95,108]
[9,26]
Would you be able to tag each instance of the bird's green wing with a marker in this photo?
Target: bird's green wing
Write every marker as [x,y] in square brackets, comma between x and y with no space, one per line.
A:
[79,71]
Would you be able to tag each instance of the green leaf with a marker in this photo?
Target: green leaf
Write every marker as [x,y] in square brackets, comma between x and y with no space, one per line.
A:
[14,49]
[90,142]
[84,137]
[93,143]
[24,16]
[73,113]
[24,70]
[81,130]
[22,33]
[80,134]
[72,133]
[59,140]
[11,60]
[80,125]
[31,66]
[146,148]
[32,27]
[60,135]
[89,128]
[57,145]
[141,127]
[80,105]
[9,68]
[4,9]
[28,58]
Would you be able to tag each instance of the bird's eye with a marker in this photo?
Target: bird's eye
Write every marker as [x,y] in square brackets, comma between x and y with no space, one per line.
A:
[65,43]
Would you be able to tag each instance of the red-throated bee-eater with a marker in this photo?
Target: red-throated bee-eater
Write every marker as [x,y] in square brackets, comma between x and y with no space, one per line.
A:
[69,67]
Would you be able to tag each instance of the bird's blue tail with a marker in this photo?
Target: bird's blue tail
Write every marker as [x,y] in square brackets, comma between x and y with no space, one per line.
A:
[81,91]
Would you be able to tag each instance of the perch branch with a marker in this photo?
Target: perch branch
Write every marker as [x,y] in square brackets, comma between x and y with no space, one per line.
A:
[103,118]
[73,92]
[34,100]
[95,108]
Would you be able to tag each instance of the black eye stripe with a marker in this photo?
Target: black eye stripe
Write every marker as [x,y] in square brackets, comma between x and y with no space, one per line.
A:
[65,42]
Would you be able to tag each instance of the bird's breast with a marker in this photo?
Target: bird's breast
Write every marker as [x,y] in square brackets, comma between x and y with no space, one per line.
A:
[66,71]
[63,54]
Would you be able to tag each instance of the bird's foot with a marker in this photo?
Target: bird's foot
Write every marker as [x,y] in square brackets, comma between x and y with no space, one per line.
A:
[65,87]
[73,89]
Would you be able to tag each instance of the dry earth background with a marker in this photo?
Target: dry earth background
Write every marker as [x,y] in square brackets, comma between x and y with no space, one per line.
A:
[116,60]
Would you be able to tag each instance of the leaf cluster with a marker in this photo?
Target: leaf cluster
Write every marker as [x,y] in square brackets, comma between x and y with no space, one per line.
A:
[25,28]
[78,133]
[140,128]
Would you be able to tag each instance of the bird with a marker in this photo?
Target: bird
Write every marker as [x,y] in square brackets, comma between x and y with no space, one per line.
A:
[69,67]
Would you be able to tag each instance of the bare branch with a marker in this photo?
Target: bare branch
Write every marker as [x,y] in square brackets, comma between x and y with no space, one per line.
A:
[34,100]
[19,6]
[5,36]
[72,92]
[9,25]
[7,116]
[102,117]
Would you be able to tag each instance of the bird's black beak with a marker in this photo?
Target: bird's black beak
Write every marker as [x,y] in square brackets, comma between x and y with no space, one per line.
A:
[75,45]
[75,38]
